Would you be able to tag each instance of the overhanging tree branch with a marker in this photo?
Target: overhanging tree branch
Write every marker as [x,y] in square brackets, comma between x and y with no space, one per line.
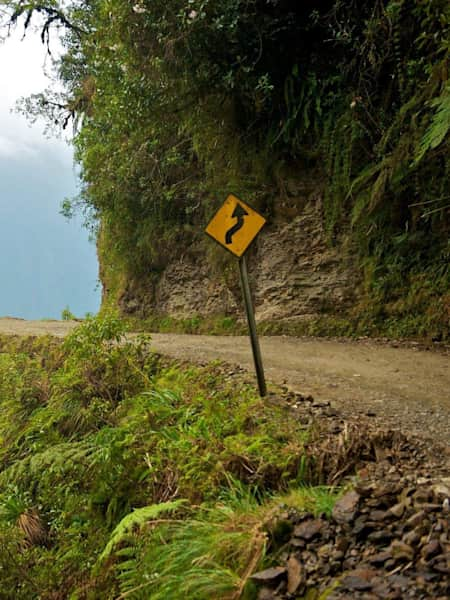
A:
[52,16]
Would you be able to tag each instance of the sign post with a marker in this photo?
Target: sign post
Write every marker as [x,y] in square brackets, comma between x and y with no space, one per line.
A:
[252,327]
[235,226]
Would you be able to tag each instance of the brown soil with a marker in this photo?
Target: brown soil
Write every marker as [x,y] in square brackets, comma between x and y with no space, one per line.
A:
[404,388]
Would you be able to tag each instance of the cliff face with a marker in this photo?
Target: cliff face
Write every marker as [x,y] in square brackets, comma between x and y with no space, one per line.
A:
[294,272]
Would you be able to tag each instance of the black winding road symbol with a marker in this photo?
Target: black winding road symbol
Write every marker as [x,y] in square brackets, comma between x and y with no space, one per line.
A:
[238,213]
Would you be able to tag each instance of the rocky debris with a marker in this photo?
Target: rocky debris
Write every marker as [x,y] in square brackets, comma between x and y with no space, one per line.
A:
[386,539]
[343,445]
[388,536]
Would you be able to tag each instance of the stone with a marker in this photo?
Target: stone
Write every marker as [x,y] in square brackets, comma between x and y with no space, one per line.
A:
[423,480]
[441,490]
[351,548]
[294,574]
[380,558]
[337,555]
[382,590]
[429,507]
[442,567]
[352,582]
[269,576]
[297,543]
[364,489]
[399,581]
[380,537]
[362,526]
[397,510]
[421,495]
[416,519]
[430,549]
[412,538]
[345,509]
[342,544]
[378,515]
[266,593]
[308,530]
[401,551]
[387,489]
[359,580]
[324,551]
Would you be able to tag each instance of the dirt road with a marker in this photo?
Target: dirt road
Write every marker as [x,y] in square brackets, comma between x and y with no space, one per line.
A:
[401,387]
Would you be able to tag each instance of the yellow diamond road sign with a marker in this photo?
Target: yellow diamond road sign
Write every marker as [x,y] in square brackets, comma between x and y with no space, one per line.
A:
[235,225]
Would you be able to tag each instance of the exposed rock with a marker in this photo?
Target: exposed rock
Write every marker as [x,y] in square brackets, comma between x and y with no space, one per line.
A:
[294,272]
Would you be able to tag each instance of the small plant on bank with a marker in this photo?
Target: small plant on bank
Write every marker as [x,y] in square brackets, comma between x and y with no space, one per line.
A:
[67,315]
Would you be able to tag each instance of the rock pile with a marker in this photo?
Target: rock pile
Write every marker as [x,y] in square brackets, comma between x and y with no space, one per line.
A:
[385,540]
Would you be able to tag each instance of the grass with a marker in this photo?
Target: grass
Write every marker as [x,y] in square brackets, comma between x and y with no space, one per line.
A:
[214,325]
[402,319]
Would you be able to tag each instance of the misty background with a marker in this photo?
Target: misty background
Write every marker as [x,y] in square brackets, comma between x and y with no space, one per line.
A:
[46,262]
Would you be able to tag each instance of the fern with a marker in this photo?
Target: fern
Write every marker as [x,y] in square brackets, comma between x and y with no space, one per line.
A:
[439,127]
[136,520]
[210,556]
[50,465]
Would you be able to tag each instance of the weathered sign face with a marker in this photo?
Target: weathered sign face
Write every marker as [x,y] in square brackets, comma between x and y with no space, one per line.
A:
[235,225]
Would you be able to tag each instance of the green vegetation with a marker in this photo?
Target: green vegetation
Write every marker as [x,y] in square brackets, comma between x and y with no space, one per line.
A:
[365,320]
[67,314]
[219,325]
[122,475]
[177,103]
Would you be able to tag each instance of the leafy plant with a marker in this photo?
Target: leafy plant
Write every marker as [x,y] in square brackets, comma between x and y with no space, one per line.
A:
[439,127]
[134,521]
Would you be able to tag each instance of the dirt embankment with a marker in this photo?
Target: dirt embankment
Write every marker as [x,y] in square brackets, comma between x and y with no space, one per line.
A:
[405,388]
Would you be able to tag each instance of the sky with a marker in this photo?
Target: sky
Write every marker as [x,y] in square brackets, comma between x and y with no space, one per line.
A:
[46,262]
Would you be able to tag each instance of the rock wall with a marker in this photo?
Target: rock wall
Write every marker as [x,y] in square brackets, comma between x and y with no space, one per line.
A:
[294,272]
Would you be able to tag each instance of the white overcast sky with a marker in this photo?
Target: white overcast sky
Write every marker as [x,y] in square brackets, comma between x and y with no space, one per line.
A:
[46,263]
[23,62]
